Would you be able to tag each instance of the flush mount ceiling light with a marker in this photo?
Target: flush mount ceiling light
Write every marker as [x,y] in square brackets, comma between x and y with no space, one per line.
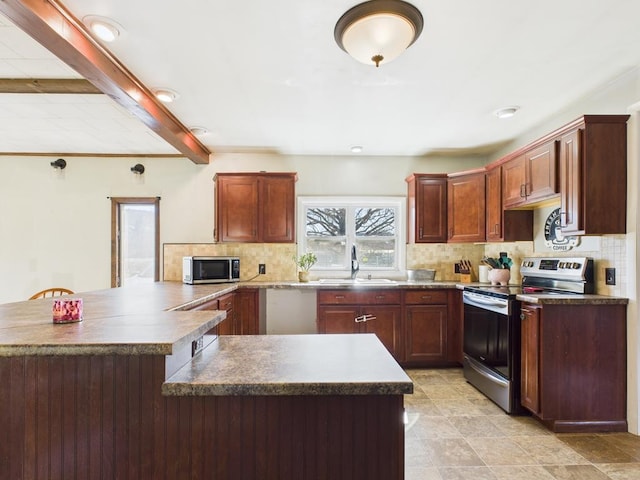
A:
[506,112]
[378,31]
[165,95]
[356,149]
[103,28]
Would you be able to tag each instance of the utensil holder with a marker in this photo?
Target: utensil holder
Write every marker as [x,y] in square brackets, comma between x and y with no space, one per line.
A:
[499,276]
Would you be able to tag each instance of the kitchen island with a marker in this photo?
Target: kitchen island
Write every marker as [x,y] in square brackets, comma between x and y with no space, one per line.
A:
[119,395]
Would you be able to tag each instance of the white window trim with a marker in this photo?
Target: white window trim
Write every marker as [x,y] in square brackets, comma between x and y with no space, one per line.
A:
[399,203]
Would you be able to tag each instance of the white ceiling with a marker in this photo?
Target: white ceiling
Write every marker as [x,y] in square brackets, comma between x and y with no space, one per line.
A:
[269,76]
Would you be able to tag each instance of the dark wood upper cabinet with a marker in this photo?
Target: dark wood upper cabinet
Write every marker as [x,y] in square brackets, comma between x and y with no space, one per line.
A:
[531,176]
[542,166]
[504,225]
[255,207]
[493,204]
[466,207]
[593,175]
[427,208]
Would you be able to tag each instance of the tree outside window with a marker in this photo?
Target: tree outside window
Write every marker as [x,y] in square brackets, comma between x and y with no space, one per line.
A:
[331,229]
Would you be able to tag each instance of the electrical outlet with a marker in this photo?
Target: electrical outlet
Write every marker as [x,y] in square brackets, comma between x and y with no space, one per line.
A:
[262,269]
[610,276]
[456,268]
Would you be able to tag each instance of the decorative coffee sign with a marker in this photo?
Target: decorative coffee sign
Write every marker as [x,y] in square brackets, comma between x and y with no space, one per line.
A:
[553,237]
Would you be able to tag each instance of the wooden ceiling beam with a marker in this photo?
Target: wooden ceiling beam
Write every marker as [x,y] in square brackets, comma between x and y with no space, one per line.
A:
[49,23]
[48,85]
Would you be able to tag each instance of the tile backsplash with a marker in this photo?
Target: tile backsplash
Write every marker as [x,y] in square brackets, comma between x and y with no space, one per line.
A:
[278,258]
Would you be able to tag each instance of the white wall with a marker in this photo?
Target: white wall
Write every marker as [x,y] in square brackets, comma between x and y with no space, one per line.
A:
[56,231]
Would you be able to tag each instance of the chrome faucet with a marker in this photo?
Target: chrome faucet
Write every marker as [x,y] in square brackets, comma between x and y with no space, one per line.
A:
[355,266]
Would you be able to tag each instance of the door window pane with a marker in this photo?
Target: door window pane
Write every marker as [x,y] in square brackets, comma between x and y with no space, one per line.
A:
[138,235]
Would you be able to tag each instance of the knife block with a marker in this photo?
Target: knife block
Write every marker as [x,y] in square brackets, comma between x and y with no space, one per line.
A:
[466,277]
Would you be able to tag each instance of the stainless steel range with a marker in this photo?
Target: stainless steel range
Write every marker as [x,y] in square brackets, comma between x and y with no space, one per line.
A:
[491,340]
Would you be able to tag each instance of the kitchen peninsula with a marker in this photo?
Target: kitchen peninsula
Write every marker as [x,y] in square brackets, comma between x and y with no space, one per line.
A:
[119,395]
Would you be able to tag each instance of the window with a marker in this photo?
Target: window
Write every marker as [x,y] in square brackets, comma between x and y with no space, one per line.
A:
[329,226]
[134,241]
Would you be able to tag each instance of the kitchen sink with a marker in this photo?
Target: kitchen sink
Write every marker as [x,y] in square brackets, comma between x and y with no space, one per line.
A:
[357,281]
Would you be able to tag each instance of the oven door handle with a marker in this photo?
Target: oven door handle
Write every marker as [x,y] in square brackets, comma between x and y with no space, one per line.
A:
[482,301]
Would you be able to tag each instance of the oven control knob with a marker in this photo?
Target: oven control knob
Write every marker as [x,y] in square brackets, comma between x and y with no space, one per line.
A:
[576,265]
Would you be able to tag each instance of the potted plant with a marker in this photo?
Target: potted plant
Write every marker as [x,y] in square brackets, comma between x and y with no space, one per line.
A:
[304,263]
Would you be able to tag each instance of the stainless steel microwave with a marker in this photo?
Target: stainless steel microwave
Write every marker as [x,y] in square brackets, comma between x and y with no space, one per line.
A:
[196,270]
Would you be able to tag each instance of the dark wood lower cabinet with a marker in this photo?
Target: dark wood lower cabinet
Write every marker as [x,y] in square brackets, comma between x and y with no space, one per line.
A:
[433,328]
[574,373]
[245,309]
[420,327]
[382,320]
[90,417]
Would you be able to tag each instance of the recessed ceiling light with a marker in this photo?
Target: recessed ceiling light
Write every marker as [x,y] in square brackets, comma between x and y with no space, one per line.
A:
[356,149]
[199,131]
[506,112]
[166,95]
[104,28]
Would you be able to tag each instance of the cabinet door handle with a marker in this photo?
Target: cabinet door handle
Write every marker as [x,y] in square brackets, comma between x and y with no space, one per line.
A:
[523,191]
[365,318]
[565,219]
[496,228]
[420,233]
[523,316]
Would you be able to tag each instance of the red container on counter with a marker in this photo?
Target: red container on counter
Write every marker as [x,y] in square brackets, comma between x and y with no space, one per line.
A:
[67,310]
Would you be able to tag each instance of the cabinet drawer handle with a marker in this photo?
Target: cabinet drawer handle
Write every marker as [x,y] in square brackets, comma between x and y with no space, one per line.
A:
[426,297]
[339,297]
[379,297]
[365,318]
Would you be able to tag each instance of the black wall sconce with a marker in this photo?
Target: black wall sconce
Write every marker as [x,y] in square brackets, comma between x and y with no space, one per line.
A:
[59,164]
[138,169]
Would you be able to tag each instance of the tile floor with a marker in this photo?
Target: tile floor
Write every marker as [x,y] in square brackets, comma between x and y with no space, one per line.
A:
[456,433]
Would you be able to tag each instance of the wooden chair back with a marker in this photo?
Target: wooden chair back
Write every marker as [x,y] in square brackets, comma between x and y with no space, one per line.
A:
[51,292]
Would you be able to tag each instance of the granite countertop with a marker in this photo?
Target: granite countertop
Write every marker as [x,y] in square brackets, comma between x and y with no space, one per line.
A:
[559,299]
[291,365]
[371,285]
[570,299]
[143,319]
